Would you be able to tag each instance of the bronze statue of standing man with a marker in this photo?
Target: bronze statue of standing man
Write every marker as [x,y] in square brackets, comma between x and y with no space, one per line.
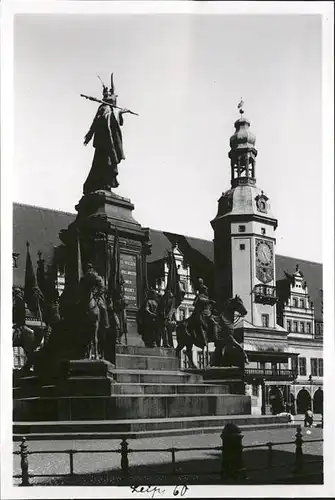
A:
[106,129]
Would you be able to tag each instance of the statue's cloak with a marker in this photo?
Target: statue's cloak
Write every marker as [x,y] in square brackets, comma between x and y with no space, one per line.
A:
[107,133]
[108,150]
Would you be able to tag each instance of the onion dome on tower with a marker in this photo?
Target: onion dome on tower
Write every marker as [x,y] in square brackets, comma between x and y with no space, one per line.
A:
[243,152]
[243,198]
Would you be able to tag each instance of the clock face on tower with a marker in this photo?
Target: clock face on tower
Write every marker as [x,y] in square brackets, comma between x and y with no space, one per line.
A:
[264,260]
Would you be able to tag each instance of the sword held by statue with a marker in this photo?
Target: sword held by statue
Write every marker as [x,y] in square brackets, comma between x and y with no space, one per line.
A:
[108,103]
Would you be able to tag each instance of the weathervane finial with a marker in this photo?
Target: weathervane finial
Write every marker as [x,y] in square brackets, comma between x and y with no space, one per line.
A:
[240,106]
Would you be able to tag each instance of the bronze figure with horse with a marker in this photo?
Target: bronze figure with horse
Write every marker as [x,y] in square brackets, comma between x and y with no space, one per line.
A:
[30,340]
[93,312]
[199,330]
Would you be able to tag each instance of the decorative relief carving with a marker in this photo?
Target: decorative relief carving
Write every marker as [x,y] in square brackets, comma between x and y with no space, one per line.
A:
[261,202]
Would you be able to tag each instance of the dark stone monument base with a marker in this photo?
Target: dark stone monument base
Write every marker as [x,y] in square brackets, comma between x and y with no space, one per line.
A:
[101,215]
[108,205]
[230,377]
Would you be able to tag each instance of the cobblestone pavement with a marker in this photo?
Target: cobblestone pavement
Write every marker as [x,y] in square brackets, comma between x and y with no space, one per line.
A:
[199,465]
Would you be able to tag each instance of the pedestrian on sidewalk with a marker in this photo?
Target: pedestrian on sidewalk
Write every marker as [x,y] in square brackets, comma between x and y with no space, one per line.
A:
[309,417]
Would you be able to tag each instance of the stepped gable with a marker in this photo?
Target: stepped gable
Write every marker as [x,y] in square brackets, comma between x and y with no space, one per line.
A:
[40,226]
[198,255]
[312,272]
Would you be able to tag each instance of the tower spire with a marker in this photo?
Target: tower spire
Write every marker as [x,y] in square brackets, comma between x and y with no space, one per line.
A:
[242,151]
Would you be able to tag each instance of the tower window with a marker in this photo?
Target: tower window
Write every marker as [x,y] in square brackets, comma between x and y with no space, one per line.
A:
[265,320]
[241,229]
[302,327]
[242,246]
[295,326]
[295,302]
[302,303]
[289,325]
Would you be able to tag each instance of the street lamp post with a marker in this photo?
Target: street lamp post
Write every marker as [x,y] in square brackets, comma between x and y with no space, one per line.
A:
[310,380]
[263,401]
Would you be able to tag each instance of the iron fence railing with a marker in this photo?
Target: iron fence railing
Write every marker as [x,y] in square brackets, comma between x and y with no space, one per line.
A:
[231,450]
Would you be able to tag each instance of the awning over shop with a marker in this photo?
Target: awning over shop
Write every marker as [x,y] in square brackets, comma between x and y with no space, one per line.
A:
[259,346]
[267,350]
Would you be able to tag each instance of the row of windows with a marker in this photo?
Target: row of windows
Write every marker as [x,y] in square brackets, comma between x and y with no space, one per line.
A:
[241,229]
[316,367]
[274,366]
[299,303]
[299,326]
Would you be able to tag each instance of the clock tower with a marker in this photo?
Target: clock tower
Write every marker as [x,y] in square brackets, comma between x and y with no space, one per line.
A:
[244,240]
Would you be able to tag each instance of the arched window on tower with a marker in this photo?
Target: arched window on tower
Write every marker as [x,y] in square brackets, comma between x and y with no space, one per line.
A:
[251,167]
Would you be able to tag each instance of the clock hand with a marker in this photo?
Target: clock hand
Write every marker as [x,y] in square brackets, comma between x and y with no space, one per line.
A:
[265,257]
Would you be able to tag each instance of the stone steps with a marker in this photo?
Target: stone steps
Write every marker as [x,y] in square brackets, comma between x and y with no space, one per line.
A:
[165,388]
[139,428]
[132,350]
[121,376]
[143,434]
[145,383]
[143,362]
[155,376]
[116,407]
[102,387]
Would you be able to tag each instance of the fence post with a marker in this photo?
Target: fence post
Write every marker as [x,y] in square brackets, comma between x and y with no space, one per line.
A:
[298,451]
[124,456]
[71,462]
[24,462]
[232,453]
[270,454]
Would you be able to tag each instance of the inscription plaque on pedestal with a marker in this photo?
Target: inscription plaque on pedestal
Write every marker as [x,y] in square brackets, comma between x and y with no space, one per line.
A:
[129,272]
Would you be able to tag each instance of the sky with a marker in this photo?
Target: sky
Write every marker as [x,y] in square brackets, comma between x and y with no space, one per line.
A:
[184,74]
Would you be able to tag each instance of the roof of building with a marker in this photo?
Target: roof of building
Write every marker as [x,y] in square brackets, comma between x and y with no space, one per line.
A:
[40,226]
[162,241]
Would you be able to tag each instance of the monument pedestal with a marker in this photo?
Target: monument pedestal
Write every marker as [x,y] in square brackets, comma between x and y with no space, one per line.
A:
[102,215]
[146,383]
[229,376]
